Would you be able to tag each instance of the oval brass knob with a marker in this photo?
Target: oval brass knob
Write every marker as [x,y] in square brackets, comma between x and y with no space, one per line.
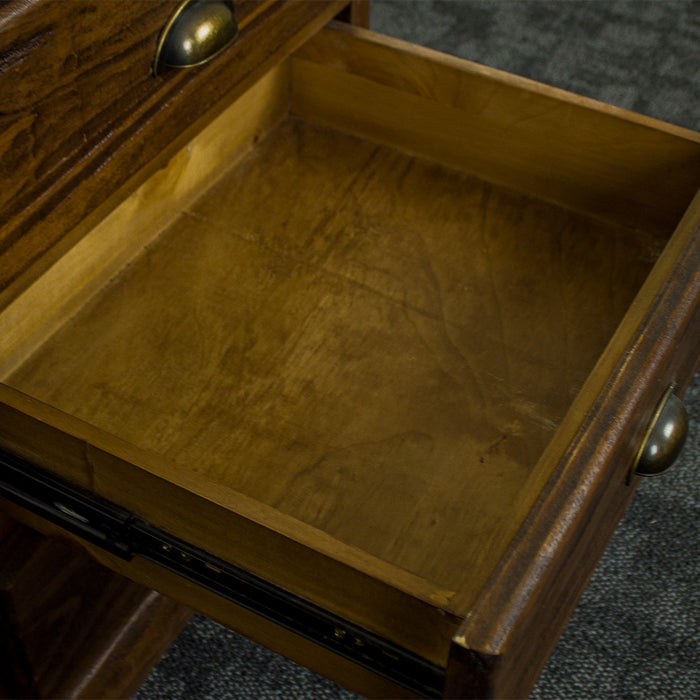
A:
[198,31]
[665,437]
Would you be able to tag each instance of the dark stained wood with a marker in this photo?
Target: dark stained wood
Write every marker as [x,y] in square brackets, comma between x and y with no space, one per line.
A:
[501,648]
[73,73]
[71,628]
[84,115]
[356,13]
[6,524]
[254,627]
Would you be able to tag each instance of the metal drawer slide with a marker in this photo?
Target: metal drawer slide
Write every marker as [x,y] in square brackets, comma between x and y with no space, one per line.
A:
[120,532]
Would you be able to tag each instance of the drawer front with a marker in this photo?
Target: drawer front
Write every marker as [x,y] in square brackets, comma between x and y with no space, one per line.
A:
[75,75]
[81,112]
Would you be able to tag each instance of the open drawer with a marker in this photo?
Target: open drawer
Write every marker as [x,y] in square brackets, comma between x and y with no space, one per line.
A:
[363,370]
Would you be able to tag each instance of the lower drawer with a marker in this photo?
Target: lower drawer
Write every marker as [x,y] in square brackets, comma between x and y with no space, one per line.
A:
[362,372]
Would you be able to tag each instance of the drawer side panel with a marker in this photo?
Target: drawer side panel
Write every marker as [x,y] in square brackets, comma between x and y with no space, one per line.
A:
[537,585]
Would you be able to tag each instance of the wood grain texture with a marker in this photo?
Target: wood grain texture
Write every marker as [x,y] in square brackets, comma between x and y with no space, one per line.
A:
[590,157]
[71,75]
[583,491]
[375,345]
[28,320]
[82,116]
[367,377]
[74,629]
[303,560]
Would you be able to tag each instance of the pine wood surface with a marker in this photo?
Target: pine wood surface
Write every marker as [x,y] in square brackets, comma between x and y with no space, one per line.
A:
[588,156]
[71,628]
[28,320]
[258,538]
[307,335]
[83,115]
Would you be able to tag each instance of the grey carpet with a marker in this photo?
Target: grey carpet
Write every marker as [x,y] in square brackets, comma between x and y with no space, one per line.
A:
[636,631]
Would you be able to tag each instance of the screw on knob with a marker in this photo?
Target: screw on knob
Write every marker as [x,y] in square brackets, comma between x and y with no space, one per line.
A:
[198,32]
[665,437]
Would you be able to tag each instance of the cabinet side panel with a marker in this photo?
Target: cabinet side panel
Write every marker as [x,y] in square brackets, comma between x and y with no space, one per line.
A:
[237,618]
[76,628]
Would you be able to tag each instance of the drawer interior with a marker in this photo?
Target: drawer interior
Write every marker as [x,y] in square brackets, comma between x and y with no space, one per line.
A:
[371,332]
[373,343]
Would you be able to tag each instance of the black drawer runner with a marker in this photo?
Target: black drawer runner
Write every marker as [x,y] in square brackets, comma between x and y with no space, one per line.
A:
[122,533]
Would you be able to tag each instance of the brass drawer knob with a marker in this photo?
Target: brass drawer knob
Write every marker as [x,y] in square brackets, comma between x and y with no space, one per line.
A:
[198,32]
[665,437]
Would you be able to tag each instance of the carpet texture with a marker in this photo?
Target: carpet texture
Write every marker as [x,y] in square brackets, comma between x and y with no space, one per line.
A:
[636,630]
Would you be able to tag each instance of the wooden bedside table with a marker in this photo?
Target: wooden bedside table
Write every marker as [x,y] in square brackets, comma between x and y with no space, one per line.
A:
[342,373]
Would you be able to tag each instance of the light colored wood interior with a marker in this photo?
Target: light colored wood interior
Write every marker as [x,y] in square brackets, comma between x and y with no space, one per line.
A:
[99,256]
[585,155]
[376,343]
